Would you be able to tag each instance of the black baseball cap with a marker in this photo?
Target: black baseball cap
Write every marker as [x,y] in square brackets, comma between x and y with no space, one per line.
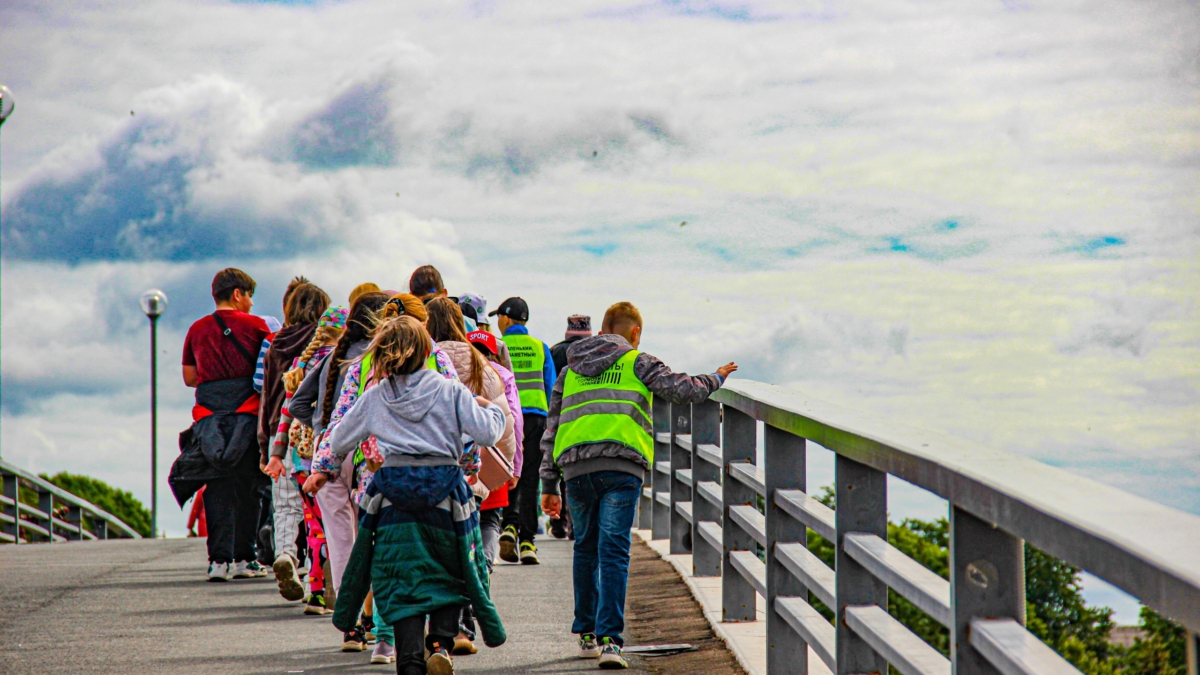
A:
[514,308]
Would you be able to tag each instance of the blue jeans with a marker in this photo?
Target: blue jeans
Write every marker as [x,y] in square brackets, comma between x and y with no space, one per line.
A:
[602,506]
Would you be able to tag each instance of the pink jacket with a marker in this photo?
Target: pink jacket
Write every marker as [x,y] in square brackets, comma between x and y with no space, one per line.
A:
[493,390]
[514,403]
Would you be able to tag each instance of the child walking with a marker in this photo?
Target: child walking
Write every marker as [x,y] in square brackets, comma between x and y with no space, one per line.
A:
[419,532]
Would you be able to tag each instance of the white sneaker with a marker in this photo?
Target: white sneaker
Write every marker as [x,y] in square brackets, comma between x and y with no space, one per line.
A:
[290,586]
[248,570]
[219,572]
[588,647]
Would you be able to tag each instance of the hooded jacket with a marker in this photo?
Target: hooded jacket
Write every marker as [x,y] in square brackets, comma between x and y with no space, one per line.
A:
[287,345]
[493,390]
[590,357]
[417,420]
[308,403]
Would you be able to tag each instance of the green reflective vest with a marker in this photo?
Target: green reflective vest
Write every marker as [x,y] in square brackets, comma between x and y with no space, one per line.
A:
[430,363]
[528,356]
[613,406]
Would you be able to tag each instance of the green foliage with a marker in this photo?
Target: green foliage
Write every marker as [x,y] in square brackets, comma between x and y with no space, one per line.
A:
[120,503]
[1055,609]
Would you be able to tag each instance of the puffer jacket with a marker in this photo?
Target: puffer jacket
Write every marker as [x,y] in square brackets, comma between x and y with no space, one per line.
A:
[590,357]
[493,390]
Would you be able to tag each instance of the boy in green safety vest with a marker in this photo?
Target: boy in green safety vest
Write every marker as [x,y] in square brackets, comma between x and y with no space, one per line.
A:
[599,434]
[533,368]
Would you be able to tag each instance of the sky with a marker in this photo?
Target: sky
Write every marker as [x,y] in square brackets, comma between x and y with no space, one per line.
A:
[977,217]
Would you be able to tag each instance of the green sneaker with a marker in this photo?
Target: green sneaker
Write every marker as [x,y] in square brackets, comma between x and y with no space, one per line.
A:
[610,655]
[508,544]
[316,604]
[588,647]
[529,554]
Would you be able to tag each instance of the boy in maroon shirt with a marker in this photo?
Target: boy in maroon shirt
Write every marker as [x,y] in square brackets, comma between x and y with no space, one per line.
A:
[219,361]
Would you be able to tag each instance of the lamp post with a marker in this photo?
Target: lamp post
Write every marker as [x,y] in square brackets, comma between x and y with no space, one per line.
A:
[154,303]
[7,103]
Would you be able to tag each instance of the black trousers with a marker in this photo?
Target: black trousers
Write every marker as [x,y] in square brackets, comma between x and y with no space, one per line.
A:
[411,641]
[523,509]
[231,506]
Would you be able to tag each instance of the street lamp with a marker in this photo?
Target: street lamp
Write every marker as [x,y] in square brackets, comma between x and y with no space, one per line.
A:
[154,303]
[7,103]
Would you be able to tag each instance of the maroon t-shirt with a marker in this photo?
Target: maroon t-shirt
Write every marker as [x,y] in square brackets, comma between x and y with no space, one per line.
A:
[214,355]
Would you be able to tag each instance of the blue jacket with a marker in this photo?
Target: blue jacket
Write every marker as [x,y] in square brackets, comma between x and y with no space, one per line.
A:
[548,372]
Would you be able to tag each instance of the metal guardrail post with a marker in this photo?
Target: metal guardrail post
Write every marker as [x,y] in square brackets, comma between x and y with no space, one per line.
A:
[660,512]
[987,579]
[46,506]
[783,469]
[681,529]
[100,528]
[75,518]
[11,509]
[738,445]
[706,430]
[861,507]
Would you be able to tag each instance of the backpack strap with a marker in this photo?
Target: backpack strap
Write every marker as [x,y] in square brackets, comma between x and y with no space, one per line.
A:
[229,334]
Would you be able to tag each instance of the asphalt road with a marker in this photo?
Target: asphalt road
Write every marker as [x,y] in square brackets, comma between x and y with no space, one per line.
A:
[134,607]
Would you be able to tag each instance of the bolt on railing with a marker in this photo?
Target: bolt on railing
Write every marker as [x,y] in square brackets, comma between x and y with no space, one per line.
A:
[704,489]
[21,523]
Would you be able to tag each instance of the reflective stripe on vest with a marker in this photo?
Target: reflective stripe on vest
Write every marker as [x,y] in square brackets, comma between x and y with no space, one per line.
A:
[528,356]
[613,406]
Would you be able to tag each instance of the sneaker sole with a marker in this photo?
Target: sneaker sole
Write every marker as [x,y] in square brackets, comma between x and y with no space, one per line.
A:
[315,611]
[508,551]
[383,659]
[354,647]
[589,654]
[289,584]
[530,560]
[439,665]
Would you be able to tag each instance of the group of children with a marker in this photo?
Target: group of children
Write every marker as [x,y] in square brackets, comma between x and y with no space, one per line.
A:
[408,439]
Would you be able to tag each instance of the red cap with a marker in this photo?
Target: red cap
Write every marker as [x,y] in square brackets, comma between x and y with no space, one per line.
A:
[484,339]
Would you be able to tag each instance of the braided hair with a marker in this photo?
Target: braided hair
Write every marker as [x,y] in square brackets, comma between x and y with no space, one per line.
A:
[362,320]
[325,335]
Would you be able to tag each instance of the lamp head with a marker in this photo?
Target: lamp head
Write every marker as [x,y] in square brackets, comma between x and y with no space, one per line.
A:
[6,103]
[154,303]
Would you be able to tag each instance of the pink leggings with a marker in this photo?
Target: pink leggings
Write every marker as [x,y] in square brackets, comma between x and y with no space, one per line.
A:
[339,518]
[317,551]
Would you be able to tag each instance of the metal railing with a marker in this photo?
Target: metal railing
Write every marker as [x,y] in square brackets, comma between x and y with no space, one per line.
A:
[81,520]
[704,487]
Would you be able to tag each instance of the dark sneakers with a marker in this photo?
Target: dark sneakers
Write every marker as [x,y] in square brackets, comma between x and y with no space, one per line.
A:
[355,640]
[508,544]
[529,554]
[439,662]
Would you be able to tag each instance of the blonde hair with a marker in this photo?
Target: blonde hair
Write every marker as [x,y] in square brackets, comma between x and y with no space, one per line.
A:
[325,335]
[362,289]
[400,346]
[620,318]
[405,304]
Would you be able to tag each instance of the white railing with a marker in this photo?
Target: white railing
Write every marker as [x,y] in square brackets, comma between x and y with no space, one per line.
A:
[704,487]
[22,524]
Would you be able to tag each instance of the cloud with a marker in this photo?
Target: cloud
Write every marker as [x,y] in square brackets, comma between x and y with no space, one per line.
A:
[1124,324]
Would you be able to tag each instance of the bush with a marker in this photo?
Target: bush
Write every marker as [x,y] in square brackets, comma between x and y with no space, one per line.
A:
[120,503]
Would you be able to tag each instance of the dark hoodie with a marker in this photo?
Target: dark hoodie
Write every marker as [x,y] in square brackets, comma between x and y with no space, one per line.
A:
[287,345]
[590,357]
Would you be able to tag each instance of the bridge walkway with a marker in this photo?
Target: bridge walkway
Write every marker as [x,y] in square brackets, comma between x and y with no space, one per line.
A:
[132,607]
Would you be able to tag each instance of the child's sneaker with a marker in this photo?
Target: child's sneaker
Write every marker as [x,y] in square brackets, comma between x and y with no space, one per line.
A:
[316,604]
[588,647]
[439,662]
[610,655]
[384,653]
[219,572]
[508,544]
[529,553]
[355,640]
[248,570]
[290,586]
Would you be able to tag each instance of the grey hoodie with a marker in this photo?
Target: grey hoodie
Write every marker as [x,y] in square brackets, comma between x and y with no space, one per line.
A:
[590,357]
[418,420]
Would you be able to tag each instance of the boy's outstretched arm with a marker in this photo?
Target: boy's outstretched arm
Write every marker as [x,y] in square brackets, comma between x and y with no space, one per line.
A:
[679,387]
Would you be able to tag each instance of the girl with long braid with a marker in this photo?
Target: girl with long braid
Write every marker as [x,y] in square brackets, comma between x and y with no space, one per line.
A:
[291,457]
